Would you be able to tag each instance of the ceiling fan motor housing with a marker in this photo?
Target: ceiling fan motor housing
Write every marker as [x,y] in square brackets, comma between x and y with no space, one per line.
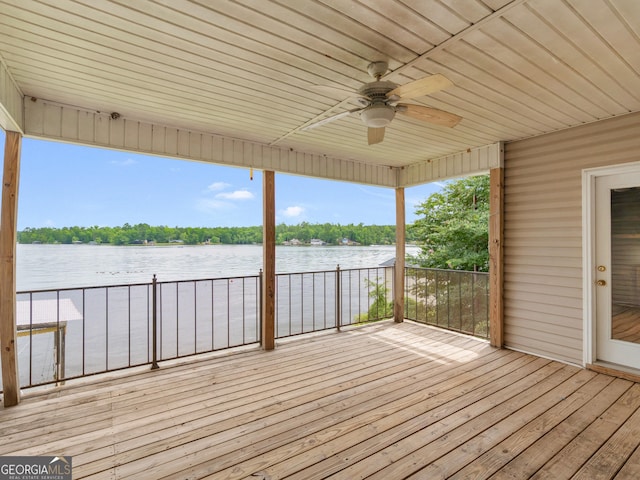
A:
[378,113]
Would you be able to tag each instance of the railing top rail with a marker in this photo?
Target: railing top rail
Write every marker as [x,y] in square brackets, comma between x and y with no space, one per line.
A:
[91,287]
[141,284]
[445,270]
[378,267]
[208,279]
[122,285]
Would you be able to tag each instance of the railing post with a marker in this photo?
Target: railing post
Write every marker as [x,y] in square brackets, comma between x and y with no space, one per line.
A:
[338,296]
[260,285]
[56,339]
[154,324]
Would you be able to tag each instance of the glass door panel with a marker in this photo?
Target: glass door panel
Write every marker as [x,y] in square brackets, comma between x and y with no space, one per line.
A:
[625,264]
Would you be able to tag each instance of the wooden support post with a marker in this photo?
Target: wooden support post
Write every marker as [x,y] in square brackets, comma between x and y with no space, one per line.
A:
[8,237]
[269,261]
[398,280]
[496,265]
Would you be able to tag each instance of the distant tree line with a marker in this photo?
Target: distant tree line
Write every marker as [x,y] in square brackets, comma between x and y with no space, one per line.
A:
[126,234]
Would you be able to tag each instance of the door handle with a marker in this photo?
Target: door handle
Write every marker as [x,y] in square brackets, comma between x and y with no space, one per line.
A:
[601,283]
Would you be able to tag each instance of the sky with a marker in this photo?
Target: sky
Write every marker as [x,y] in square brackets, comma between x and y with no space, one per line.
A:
[63,185]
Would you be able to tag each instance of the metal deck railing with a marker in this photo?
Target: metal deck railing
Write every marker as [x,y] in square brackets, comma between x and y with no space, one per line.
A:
[74,332]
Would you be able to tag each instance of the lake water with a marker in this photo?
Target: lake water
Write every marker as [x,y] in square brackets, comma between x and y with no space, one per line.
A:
[63,266]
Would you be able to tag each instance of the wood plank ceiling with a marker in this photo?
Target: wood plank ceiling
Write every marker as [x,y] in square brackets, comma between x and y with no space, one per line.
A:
[249,69]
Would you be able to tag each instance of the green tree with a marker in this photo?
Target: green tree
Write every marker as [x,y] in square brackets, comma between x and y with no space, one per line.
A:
[382,305]
[380,308]
[453,231]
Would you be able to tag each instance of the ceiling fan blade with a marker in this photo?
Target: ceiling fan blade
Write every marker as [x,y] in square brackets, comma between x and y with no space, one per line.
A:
[375,135]
[421,87]
[330,119]
[428,114]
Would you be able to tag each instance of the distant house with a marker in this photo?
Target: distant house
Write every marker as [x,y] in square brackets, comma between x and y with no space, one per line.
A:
[347,241]
[317,242]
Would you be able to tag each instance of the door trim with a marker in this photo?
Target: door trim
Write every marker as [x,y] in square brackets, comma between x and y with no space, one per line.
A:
[589,176]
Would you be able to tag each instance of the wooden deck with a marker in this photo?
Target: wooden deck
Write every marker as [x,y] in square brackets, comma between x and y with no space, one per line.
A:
[387,401]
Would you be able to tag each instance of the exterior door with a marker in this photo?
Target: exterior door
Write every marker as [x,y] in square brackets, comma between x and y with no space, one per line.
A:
[617,275]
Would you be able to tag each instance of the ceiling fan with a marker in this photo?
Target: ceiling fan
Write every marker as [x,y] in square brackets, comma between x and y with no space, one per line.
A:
[380,102]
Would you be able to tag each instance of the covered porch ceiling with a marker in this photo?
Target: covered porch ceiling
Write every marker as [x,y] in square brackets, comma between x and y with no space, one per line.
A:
[245,74]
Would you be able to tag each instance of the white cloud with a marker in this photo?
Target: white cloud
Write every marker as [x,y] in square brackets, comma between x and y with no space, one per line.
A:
[124,163]
[207,205]
[217,186]
[237,195]
[293,211]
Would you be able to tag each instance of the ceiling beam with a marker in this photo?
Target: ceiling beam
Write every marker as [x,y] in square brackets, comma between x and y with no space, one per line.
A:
[473,161]
[58,122]
[11,111]
[453,39]
[54,121]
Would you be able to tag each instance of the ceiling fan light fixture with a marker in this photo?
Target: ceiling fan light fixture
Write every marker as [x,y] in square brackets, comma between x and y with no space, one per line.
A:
[377,115]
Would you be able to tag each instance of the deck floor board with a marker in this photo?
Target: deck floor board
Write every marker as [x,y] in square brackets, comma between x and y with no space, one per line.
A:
[386,401]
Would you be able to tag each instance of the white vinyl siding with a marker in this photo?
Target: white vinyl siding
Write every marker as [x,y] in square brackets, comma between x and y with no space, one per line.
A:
[543,231]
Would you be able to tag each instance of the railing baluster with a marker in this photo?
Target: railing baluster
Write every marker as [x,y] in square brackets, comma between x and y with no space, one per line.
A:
[338,297]
[324,300]
[31,338]
[106,326]
[473,304]
[195,317]
[213,317]
[259,306]
[289,309]
[359,294]
[460,300]
[129,324]
[154,309]
[147,317]
[244,319]
[177,320]
[57,340]
[84,329]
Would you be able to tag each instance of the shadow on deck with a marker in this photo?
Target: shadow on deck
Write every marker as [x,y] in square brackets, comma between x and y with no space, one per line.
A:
[385,401]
